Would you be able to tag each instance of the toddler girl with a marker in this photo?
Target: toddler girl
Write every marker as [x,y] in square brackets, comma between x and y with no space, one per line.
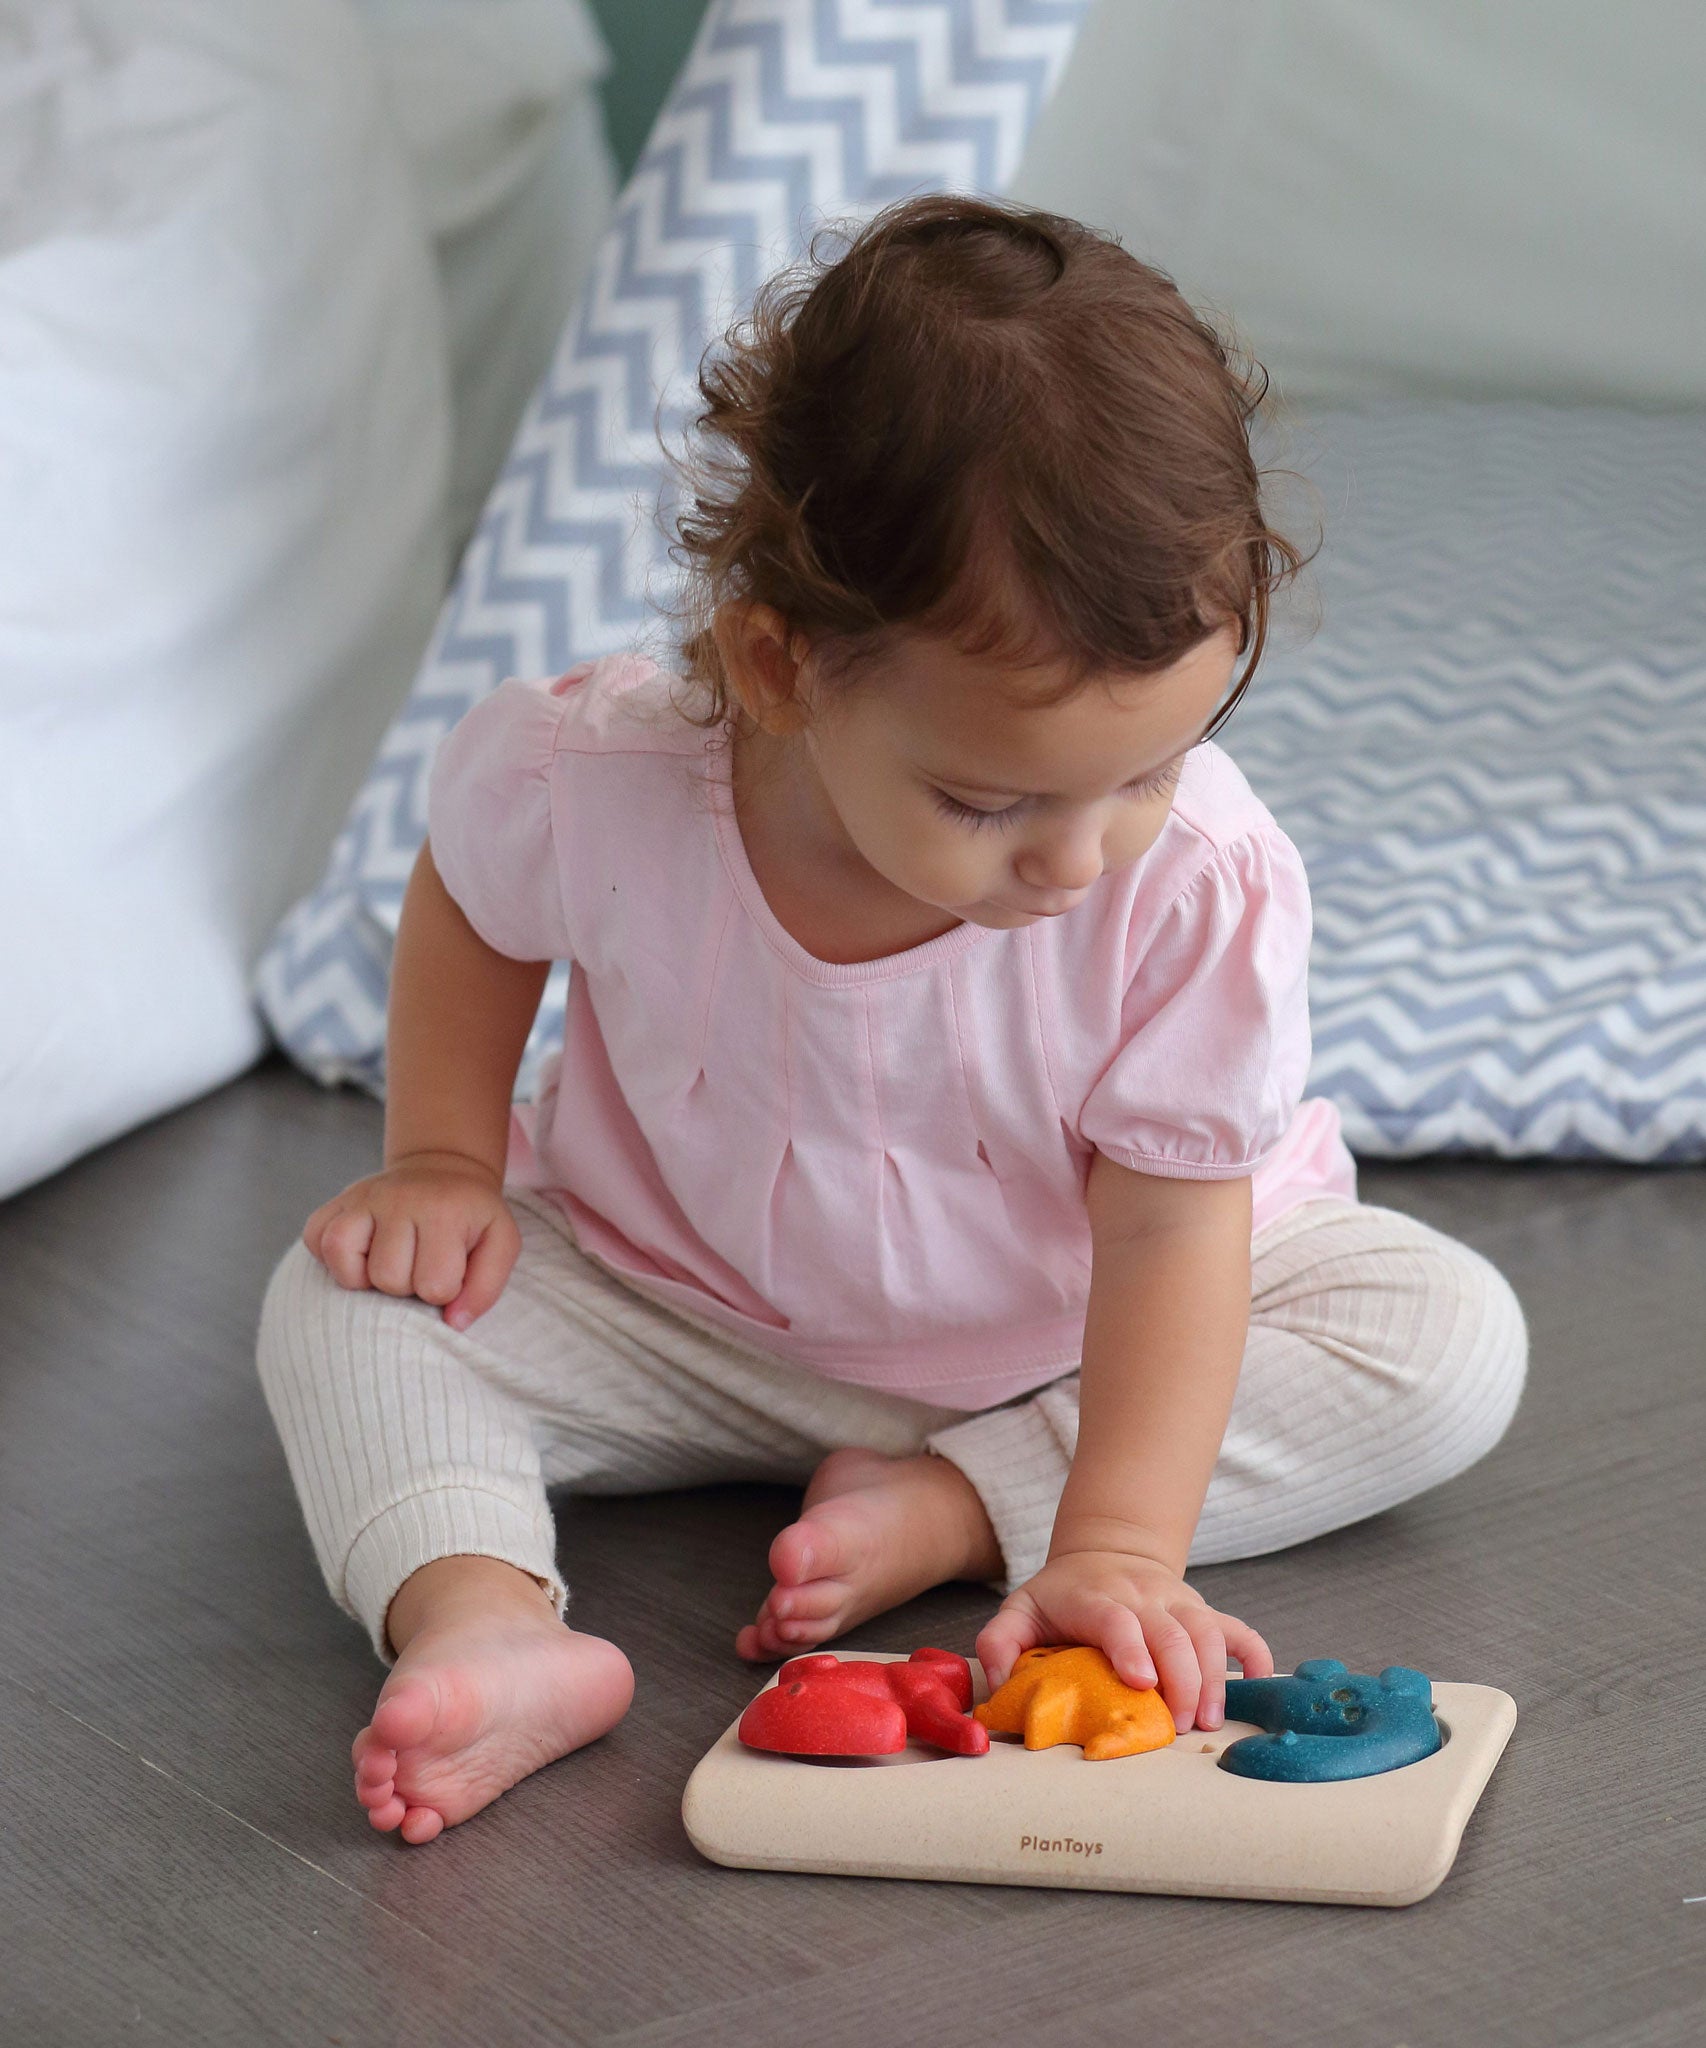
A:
[928,1122]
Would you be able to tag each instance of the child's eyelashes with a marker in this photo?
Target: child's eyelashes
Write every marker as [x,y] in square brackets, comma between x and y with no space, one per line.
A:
[1009,814]
[951,807]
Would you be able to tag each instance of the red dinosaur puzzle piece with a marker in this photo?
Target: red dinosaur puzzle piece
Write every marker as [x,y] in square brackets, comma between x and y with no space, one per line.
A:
[833,1706]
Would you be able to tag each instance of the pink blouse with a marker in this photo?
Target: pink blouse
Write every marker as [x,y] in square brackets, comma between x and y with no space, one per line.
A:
[876,1170]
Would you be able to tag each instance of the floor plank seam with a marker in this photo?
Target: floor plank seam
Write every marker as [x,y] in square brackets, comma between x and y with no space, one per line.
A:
[184,1786]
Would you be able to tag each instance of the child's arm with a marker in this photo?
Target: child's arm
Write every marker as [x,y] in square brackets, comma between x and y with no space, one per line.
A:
[433,1223]
[458,1021]
[1163,1343]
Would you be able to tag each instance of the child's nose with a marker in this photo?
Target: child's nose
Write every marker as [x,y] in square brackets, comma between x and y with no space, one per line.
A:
[1063,861]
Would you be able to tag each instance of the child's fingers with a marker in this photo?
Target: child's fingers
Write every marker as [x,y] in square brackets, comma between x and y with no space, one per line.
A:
[344,1241]
[440,1261]
[489,1266]
[391,1256]
[1176,1659]
[1255,1659]
[315,1228]
[1203,1627]
[1004,1640]
[1122,1641]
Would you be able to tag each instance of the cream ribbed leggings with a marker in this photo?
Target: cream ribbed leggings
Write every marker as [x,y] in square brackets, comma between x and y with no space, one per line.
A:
[1382,1359]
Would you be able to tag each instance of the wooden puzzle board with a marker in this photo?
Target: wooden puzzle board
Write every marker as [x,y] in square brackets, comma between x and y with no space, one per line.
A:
[1170,1821]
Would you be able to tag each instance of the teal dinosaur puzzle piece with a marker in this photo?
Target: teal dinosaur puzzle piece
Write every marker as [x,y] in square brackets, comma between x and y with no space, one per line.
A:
[1325,1723]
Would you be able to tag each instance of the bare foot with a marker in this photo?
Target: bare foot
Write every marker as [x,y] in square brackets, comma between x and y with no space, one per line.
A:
[874,1531]
[488,1686]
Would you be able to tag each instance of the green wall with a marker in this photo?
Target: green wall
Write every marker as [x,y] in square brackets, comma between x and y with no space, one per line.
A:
[648,39]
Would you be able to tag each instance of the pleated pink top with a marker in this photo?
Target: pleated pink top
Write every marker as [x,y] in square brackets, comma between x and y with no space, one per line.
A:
[875,1170]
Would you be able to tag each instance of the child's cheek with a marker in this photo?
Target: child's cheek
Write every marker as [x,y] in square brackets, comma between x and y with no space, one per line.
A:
[1135,834]
[922,853]
[958,868]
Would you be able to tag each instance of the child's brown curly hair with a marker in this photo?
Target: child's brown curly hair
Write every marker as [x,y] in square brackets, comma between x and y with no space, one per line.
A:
[986,422]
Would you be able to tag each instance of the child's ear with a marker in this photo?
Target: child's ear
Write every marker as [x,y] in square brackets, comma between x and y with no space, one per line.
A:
[762,660]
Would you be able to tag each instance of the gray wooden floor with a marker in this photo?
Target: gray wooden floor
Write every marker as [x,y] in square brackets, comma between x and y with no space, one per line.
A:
[181,1860]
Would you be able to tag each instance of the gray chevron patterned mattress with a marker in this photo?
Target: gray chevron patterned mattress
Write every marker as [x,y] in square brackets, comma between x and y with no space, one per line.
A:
[1492,754]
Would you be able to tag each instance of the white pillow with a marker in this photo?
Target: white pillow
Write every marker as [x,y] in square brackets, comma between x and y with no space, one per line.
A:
[1406,197]
[224,445]
[497,101]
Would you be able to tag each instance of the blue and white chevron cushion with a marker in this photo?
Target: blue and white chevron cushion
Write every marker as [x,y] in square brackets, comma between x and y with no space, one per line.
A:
[1493,758]
[787,112]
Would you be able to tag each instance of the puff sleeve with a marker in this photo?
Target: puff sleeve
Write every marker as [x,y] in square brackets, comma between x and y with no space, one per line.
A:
[489,819]
[1213,1050]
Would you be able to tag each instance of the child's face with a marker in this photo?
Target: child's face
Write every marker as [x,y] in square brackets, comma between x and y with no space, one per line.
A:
[1001,811]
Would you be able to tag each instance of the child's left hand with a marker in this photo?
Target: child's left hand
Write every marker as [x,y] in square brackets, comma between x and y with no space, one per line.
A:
[1152,1627]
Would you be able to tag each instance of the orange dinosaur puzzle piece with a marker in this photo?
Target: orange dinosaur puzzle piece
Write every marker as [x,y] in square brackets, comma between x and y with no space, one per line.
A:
[1074,1695]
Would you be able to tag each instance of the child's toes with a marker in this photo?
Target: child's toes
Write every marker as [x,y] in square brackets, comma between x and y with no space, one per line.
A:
[811,1548]
[817,1601]
[404,1718]
[388,1816]
[376,1766]
[801,1635]
[375,1792]
[816,1623]
[422,1824]
[772,1609]
[375,1775]
[769,1639]
[760,1639]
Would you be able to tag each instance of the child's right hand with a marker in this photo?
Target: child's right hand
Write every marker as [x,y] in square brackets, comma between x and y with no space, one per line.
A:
[434,1225]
